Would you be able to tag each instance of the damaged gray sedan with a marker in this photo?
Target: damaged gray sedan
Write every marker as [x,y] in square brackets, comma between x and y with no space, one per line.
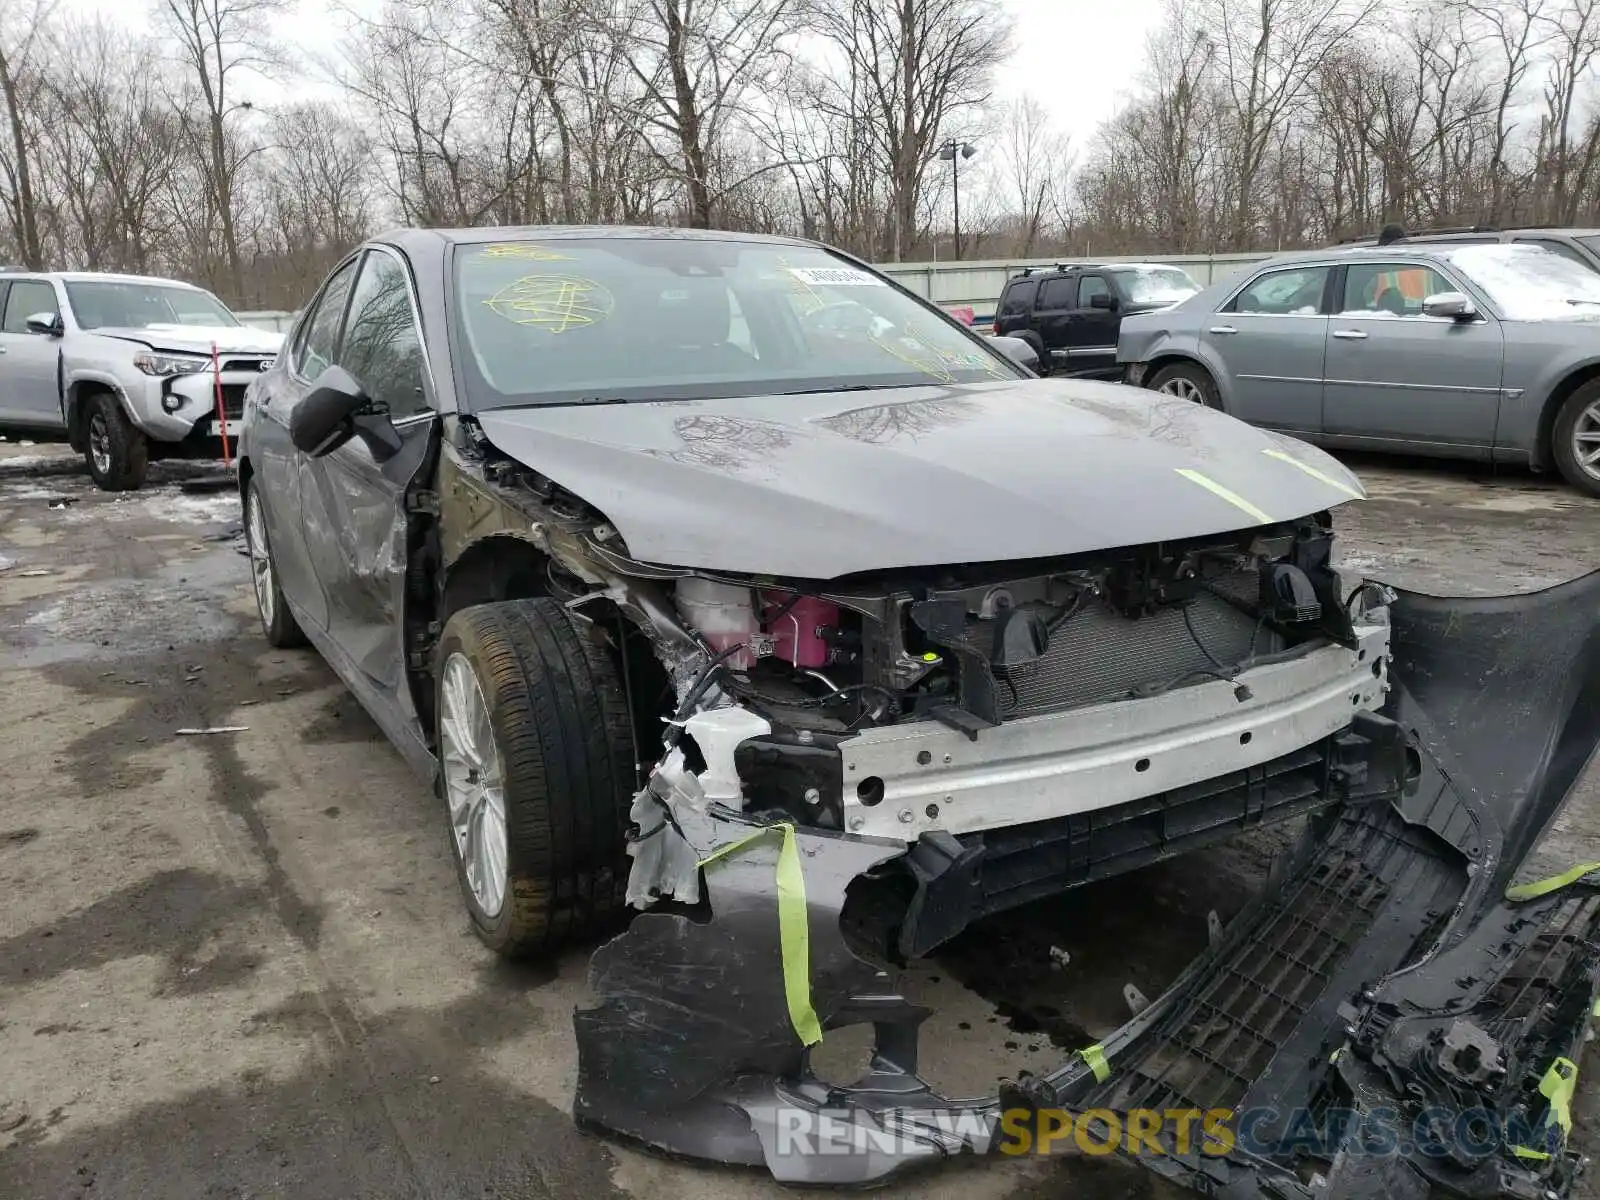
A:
[718,577]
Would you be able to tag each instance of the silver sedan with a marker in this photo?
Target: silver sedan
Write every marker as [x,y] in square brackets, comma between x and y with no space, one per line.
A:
[1489,352]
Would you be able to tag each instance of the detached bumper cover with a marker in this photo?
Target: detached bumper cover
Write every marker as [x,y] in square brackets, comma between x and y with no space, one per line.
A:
[1384,1022]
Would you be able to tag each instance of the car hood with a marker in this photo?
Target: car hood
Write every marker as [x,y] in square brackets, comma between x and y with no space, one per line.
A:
[198,339]
[828,484]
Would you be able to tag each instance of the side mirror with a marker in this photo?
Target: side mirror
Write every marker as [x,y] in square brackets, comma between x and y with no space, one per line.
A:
[1449,304]
[49,324]
[1018,351]
[338,409]
[1103,300]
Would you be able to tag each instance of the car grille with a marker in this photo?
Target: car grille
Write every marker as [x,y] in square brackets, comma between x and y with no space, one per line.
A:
[244,364]
[1100,655]
[233,400]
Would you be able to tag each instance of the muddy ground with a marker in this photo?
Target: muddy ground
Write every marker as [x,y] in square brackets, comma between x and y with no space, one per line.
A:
[236,966]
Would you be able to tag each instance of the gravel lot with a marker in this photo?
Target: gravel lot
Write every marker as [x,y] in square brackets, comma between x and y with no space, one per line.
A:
[236,965]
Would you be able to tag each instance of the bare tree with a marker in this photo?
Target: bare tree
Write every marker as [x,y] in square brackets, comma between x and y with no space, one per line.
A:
[218,41]
[1267,52]
[1028,149]
[21,35]
[911,68]
[696,63]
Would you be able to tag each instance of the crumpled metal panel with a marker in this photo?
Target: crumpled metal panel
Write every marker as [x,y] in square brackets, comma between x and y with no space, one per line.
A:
[690,1048]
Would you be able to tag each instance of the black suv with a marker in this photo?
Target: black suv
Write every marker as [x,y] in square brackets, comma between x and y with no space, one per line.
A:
[1070,314]
[1582,246]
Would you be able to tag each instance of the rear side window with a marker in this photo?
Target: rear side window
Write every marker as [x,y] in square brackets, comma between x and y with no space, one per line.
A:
[1019,298]
[1295,291]
[321,336]
[1058,293]
[28,297]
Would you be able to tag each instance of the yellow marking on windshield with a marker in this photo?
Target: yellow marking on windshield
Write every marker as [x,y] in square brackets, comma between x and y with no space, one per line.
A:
[524,250]
[914,352]
[1233,498]
[554,303]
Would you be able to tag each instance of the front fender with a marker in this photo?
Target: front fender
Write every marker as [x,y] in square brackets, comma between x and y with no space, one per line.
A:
[82,383]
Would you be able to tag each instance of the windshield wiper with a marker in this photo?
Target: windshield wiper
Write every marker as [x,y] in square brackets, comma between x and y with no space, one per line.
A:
[578,401]
[1574,301]
[849,387]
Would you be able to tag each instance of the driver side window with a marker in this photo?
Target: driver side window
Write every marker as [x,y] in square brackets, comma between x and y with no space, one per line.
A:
[29,297]
[320,334]
[1089,287]
[381,347]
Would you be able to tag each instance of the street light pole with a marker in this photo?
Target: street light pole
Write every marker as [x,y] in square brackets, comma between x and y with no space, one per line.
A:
[953,152]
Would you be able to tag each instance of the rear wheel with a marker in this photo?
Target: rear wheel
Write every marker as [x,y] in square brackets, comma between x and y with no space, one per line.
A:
[116,452]
[1187,381]
[536,766]
[1037,342]
[1577,439]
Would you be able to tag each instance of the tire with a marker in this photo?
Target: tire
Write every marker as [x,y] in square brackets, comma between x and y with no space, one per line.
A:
[116,452]
[1187,381]
[1034,340]
[1576,435]
[562,750]
[277,622]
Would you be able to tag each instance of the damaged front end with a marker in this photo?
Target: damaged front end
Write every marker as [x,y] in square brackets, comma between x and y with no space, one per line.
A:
[1400,1014]
[840,776]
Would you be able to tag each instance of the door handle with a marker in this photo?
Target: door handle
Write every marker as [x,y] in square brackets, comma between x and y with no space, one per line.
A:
[1350,335]
[1223,329]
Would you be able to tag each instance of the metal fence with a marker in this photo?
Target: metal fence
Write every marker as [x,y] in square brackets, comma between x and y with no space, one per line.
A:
[974,285]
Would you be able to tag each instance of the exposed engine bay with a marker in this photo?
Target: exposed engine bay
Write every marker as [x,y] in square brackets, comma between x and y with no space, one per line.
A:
[1026,726]
[929,746]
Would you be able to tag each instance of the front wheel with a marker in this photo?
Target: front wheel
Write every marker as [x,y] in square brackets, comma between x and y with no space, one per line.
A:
[1187,381]
[116,452]
[277,622]
[1577,439]
[536,764]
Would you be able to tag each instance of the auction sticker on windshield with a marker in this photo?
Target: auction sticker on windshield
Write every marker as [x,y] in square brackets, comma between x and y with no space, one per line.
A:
[835,277]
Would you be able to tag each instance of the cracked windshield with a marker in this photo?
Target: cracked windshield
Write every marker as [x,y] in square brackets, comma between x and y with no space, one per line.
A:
[577,321]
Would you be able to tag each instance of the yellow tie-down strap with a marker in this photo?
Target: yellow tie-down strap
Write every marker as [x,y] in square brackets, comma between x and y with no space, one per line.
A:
[794,932]
[1095,1057]
[1543,887]
[1559,1086]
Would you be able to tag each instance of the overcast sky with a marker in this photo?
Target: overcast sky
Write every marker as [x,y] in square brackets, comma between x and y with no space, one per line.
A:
[1076,57]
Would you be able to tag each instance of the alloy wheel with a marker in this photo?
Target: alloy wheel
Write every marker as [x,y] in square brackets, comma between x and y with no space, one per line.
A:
[1586,440]
[474,785]
[1183,389]
[100,443]
[260,561]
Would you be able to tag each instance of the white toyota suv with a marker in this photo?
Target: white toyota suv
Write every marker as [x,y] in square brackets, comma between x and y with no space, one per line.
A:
[126,367]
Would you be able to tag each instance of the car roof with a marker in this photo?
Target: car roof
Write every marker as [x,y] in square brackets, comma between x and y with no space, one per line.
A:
[1341,254]
[1480,235]
[95,277]
[413,239]
[1074,268]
